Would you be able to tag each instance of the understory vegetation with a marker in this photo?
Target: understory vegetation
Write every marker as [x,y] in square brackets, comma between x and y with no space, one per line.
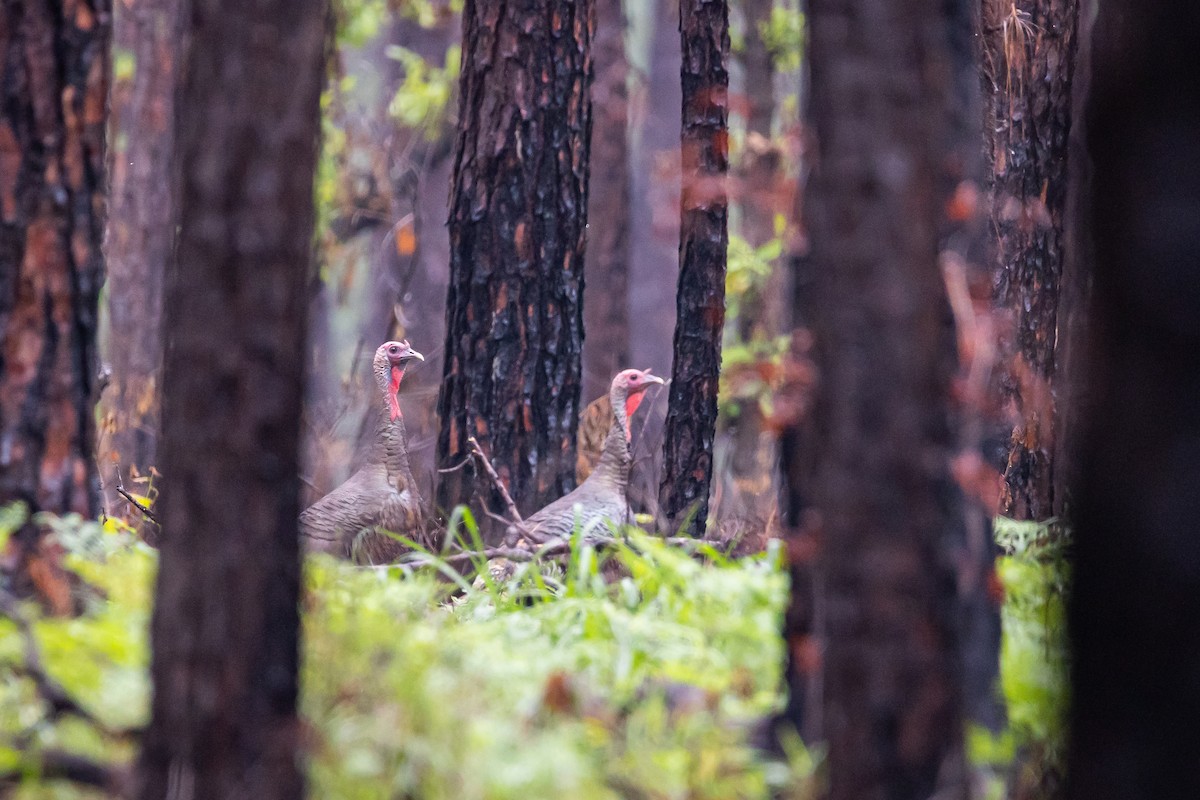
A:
[579,684]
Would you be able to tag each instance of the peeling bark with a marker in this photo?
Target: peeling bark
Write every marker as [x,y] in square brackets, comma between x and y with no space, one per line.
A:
[514,311]
[703,242]
[1028,62]
[54,80]
[141,235]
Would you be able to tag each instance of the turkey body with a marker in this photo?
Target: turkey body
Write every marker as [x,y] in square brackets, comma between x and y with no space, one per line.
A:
[352,521]
[601,498]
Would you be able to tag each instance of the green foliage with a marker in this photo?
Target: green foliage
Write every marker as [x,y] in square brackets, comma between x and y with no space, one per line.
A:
[784,35]
[747,271]
[423,100]
[1033,653]
[558,684]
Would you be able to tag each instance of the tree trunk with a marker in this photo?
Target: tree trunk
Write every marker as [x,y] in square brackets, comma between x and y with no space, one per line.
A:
[885,356]
[54,80]
[1133,620]
[606,315]
[1028,59]
[141,235]
[226,626]
[514,313]
[703,241]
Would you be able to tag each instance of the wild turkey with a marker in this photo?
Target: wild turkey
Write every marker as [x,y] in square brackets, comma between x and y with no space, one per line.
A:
[594,423]
[382,494]
[602,495]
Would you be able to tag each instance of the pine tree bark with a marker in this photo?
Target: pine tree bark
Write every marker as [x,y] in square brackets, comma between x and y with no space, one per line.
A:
[54,81]
[225,630]
[1028,62]
[703,242]
[141,235]
[514,311]
[606,314]
[885,356]
[1133,621]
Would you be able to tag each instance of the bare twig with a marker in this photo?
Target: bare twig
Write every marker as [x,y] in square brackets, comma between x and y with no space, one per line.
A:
[133,501]
[477,451]
[457,466]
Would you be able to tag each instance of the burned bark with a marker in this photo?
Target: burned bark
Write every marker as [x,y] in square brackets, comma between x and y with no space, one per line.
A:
[1133,622]
[226,626]
[141,235]
[514,313]
[885,504]
[606,314]
[1028,62]
[54,80]
[703,242]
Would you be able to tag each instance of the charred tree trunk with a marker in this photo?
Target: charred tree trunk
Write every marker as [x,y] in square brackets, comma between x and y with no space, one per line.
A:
[885,355]
[514,311]
[141,235]
[1135,631]
[1028,59]
[54,80]
[226,626]
[606,315]
[703,241]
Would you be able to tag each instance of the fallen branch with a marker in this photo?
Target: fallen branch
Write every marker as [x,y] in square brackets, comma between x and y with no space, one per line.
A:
[477,451]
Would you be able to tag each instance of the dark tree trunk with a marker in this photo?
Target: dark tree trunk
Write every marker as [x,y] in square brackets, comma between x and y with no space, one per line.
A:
[226,625]
[54,83]
[1028,58]
[1133,615]
[703,241]
[141,234]
[885,356]
[514,311]
[606,315]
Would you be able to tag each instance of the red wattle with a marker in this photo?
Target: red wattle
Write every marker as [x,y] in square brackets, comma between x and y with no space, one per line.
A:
[631,405]
[393,387]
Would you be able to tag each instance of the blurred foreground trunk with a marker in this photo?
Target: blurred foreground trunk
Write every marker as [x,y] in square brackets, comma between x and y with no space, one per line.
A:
[52,163]
[1133,619]
[703,242]
[885,504]
[226,622]
[141,234]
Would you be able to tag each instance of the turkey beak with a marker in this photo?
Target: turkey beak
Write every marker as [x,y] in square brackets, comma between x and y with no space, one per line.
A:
[653,379]
[414,354]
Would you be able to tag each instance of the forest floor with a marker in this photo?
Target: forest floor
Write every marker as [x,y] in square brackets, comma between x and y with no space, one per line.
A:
[558,683]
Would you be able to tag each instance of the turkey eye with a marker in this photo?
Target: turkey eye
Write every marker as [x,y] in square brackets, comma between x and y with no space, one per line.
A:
[392,349]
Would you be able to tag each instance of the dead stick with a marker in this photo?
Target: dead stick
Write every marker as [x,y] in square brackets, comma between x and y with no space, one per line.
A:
[134,501]
[487,467]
